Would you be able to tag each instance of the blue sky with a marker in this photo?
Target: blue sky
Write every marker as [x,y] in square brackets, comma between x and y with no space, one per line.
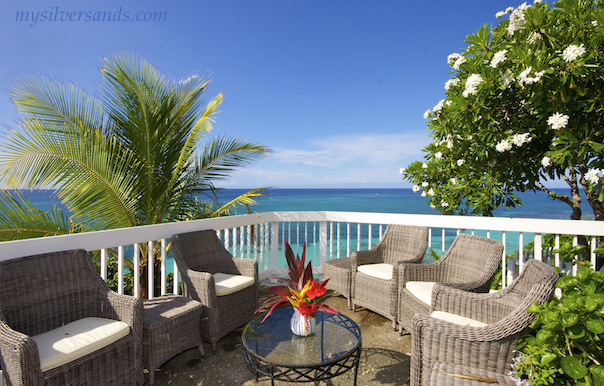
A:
[336,88]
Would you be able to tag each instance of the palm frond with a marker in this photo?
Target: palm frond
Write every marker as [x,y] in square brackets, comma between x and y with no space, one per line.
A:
[247,198]
[20,220]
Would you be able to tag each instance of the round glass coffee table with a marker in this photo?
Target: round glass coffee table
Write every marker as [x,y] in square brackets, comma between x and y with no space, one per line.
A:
[271,349]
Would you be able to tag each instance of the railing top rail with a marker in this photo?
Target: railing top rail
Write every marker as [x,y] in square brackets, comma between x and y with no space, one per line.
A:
[127,236]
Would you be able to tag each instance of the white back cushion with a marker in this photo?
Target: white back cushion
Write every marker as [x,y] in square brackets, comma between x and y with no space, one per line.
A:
[77,339]
[381,270]
[227,284]
[457,319]
[421,290]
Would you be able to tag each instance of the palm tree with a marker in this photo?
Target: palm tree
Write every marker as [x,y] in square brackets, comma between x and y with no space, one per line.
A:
[130,156]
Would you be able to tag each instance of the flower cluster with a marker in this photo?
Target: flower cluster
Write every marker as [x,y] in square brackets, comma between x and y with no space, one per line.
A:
[455,60]
[518,140]
[472,84]
[572,52]
[525,76]
[593,176]
[303,292]
[498,58]
[558,121]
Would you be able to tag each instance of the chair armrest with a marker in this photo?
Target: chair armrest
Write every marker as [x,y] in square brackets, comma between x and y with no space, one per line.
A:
[19,356]
[419,272]
[128,309]
[203,284]
[358,258]
[489,348]
[484,307]
[247,267]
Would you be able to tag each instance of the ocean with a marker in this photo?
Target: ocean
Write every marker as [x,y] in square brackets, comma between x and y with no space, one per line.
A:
[534,205]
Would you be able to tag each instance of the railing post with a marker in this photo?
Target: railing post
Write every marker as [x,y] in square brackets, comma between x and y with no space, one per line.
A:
[163,266]
[274,260]
[104,264]
[322,242]
[150,269]
[538,247]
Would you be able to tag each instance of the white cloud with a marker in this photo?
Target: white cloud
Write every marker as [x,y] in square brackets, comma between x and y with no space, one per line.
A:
[372,149]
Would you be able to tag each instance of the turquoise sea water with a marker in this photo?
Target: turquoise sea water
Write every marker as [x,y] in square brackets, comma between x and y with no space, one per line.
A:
[534,205]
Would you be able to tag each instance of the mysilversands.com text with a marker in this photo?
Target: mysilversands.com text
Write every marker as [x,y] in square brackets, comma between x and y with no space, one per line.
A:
[59,15]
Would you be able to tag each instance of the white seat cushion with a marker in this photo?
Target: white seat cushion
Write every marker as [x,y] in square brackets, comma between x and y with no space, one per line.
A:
[457,319]
[421,290]
[381,270]
[77,339]
[227,284]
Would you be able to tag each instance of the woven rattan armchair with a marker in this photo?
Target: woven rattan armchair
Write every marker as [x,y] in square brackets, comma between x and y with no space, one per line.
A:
[469,265]
[374,281]
[441,349]
[42,293]
[200,256]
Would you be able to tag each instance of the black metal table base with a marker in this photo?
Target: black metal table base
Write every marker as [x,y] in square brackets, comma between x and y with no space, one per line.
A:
[314,374]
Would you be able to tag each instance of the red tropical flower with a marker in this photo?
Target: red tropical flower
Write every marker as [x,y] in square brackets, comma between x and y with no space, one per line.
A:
[303,292]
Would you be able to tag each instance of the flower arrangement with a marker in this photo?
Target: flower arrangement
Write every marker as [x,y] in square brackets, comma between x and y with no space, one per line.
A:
[302,291]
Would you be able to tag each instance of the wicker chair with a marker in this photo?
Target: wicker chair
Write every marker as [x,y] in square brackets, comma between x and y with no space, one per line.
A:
[468,265]
[42,293]
[200,256]
[374,281]
[442,349]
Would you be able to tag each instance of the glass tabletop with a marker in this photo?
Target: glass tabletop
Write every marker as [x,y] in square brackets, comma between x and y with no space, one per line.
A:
[334,337]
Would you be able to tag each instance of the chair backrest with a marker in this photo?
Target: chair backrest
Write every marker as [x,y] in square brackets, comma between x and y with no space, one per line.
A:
[403,242]
[536,282]
[43,292]
[202,251]
[471,258]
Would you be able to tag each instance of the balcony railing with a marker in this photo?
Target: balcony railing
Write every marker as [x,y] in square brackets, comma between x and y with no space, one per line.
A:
[328,235]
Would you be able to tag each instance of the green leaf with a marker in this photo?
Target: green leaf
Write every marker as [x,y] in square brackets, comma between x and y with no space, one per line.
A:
[569,319]
[595,324]
[598,373]
[576,332]
[573,367]
[547,358]
[583,273]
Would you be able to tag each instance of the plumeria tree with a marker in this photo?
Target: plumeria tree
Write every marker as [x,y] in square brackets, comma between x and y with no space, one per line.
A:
[525,105]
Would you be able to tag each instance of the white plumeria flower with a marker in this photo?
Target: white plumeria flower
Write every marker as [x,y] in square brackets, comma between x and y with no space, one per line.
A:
[509,10]
[593,176]
[444,203]
[450,84]
[431,192]
[424,166]
[499,14]
[558,121]
[453,180]
[425,184]
[507,78]
[460,162]
[594,23]
[432,206]
[423,194]
[402,170]
[546,162]
[534,37]
[457,65]
[521,139]
[504,145]
[572,52]
[525,76]
[427,114]
[452,58]
[438,155]
[416,188]
[498,58]
[472,84]
[438,107]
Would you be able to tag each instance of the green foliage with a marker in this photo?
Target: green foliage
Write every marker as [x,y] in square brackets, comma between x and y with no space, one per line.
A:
[566,348]
[524,105]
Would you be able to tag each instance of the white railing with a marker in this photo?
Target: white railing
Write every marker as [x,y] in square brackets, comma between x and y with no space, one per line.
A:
[328,235]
